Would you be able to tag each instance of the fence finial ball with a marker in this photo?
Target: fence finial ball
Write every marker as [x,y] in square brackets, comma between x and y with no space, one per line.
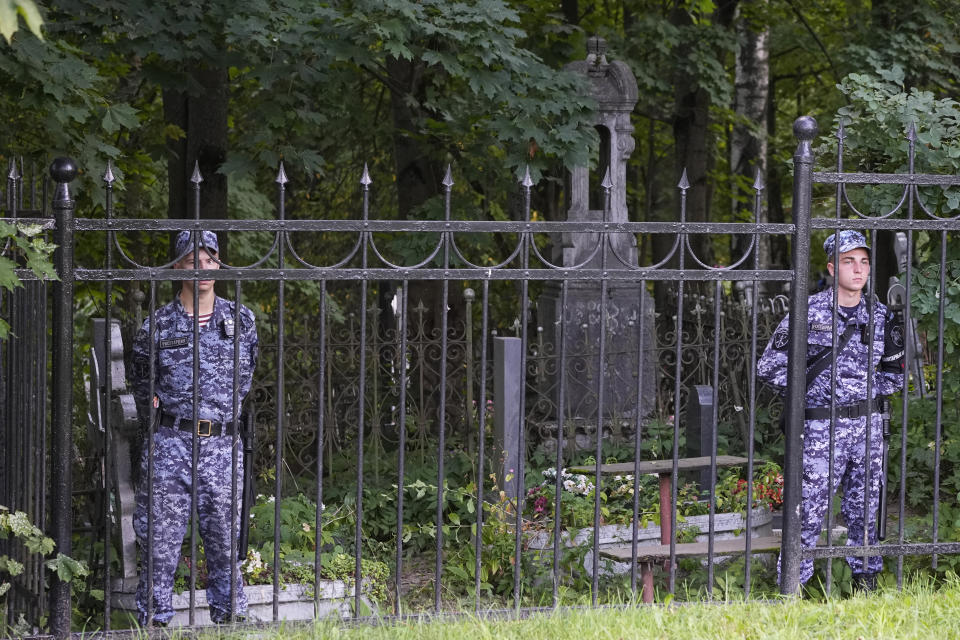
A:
[63,170]
[805,128]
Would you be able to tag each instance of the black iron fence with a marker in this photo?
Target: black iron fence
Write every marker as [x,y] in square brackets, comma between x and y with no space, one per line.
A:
[382,347]
[413,439]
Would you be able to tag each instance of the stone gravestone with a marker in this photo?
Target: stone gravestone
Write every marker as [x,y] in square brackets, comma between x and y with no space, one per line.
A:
[614,87]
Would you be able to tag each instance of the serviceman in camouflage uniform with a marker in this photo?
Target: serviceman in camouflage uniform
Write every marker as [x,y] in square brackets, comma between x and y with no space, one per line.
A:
[848,261]
[175,429]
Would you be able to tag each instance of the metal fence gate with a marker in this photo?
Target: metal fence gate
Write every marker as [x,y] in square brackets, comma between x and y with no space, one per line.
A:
[38,419]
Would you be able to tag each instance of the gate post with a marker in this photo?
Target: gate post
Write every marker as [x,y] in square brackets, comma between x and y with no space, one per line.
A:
[805,129]
[63,171]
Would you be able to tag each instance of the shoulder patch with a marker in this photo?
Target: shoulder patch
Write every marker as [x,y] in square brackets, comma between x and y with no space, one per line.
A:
[780,340]
[896,335]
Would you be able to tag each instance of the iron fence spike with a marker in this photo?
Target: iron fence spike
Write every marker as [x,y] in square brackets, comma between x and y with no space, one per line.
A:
[448,179]
[108,177]
[684,183]
[758,183]
[526,181]
[196,178]
[282,175]
[12,175]
[841,131]
[365,178]
[912,132]
[607,182]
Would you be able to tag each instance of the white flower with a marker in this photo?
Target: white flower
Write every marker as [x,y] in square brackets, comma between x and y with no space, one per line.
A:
[253,562]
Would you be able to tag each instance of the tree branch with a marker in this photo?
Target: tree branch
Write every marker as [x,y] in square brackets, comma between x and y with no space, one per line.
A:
[816,38]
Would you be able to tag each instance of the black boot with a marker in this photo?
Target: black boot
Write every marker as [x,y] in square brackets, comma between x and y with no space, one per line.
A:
[864,582]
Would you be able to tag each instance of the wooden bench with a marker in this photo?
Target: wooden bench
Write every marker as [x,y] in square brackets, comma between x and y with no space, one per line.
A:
[648,554]
[664,469]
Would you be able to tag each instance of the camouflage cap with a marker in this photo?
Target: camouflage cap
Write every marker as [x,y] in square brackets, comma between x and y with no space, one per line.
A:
[849,240]
[208,241]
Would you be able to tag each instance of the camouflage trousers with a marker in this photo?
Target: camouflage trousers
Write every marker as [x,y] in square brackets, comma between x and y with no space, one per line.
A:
[172,481]
[849,474]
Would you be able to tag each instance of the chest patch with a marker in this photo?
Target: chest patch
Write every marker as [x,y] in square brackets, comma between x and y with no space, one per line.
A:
[821,326]
[173,343]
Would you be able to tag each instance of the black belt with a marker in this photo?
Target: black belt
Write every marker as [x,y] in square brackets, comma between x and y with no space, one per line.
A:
[844,411]
[203,428]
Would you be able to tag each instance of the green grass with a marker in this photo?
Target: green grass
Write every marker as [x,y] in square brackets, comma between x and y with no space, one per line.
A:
[918,611]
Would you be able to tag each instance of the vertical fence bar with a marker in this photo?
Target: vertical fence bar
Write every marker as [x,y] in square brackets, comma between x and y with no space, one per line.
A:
[714,422]
[151,445]
[938,435]
[668,522]
[281,411]
[469,295]
[107,413]
[481,439]
[871,404]
[561,439]
[752,385]
[236,457]
[63,171]
[909,358]
[637,441]
[526,241]
[604,239]
[195,179]
[805,128]
[40,459]
[361,400]
[834,338]
[321,425]
[447,240]
[402,441]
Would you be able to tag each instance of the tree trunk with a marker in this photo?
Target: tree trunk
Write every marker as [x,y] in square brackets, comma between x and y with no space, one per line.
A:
[693,145]
[779,249]
[748,144]
[419,177]
[203,119]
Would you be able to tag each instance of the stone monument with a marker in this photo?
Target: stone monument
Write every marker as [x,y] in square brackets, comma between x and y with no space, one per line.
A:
[614,87]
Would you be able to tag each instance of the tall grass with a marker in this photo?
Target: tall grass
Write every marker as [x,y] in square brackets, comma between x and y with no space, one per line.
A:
[918,611]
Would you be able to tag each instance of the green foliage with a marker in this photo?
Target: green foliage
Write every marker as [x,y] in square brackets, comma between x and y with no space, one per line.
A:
[10,13]
[881,110]
[27,244]
[617,495]
[17,526]
[296,543]
[882,107]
